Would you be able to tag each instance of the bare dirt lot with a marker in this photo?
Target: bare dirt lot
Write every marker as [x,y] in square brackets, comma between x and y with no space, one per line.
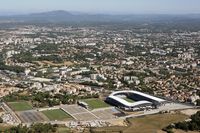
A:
[146,124]
[190,112]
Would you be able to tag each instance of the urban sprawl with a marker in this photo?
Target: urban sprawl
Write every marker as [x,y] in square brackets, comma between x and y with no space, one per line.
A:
[96,76]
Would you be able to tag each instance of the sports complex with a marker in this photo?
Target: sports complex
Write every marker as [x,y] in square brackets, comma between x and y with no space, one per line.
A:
[133,100]
[118,104]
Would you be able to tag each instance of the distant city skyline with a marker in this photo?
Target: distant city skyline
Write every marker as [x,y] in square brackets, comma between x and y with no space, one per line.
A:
[102,6]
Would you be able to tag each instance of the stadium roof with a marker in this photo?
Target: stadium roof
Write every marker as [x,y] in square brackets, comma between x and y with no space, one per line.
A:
[128,104]
[139,93]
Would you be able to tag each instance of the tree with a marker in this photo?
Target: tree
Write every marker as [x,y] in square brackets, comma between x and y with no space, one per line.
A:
[35,128]
[192,125]
[198,102]
[1,120]
[182,125]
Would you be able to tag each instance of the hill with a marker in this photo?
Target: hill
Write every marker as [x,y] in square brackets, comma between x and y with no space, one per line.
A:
[64,16]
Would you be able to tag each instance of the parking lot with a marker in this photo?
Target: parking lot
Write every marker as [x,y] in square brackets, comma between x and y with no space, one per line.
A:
[82,114]
[79,113]
[73,109]
[31,116]
[108,113]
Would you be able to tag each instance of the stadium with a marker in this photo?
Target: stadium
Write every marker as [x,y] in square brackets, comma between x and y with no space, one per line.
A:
[133,100]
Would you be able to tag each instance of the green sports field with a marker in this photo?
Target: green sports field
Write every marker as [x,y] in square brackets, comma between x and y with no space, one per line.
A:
[95,103]
[128,100]
[20,106]
[56,114]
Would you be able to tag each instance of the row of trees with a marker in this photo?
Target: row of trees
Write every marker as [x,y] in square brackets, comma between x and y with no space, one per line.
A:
[44,99]
[35,128]
[16,69]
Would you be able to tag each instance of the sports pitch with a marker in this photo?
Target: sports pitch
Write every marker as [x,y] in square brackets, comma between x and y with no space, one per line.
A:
[20,106]
[56,114]
[96,103]
[129,100]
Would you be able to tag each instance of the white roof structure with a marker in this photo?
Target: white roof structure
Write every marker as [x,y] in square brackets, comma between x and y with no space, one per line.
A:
[129,104]
[139,93]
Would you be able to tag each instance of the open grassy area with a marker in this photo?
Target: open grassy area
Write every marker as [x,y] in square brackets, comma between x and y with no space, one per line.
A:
[146,124]
[95,103]
[20,106]
[63,130]
[153,123]
[56,114]
[128,100]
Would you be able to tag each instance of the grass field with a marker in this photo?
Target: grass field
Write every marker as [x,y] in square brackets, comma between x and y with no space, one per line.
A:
[128,100]
[20,106]
[147,124]
[56,114]
[96,103]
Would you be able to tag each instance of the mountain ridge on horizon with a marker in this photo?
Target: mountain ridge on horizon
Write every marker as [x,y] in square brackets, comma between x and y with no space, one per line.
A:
[66,16]
[14,13]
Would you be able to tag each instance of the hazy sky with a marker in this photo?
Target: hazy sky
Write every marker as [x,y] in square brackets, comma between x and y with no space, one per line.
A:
[103,6]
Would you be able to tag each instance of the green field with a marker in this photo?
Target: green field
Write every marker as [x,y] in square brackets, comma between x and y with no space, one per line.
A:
[128,100]
[20,106]
[56,114]
[96,103]
[146,124]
